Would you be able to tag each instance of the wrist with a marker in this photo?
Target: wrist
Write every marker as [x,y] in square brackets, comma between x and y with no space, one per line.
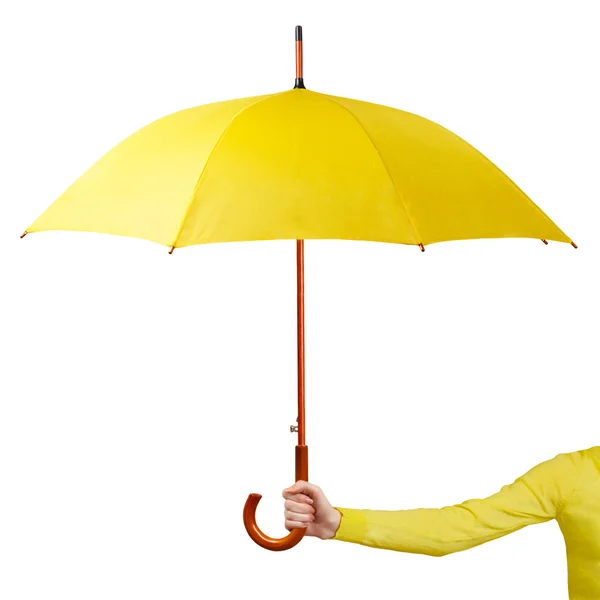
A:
[333,525]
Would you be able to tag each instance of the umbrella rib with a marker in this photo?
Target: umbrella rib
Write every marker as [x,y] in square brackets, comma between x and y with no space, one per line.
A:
[199,180]
[400,196]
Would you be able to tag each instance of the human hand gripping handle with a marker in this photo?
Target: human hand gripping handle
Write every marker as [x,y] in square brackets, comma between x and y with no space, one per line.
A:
[307,508]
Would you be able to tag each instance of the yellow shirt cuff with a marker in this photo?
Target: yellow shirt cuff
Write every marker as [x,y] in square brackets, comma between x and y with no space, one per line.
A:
[353,525]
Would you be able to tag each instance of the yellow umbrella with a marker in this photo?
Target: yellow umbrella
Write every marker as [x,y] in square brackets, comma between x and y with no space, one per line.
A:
[296,165]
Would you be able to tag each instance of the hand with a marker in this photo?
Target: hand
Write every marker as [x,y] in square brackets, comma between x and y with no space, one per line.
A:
[307,507]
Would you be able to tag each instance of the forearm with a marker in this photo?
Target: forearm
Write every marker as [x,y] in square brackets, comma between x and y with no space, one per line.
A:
[537,496]
[430,531]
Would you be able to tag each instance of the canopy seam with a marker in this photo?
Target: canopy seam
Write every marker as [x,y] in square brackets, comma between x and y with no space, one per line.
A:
[400,196]
[198,181]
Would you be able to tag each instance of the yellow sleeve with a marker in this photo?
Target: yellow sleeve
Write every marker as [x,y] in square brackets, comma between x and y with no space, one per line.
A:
[539,495]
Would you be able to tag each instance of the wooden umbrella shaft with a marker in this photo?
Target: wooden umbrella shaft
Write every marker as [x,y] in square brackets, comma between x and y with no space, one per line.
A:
[301,448]
[299,57]
[301,378]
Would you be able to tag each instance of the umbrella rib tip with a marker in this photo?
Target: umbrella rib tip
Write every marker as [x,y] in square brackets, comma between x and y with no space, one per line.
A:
[545,241]
[171,250]
[23,235]
[574,245]
[422,247]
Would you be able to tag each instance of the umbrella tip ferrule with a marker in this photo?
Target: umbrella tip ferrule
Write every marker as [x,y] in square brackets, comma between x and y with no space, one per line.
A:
[171,250]
[545,241]
[23,235]
[422,247]
[574,245]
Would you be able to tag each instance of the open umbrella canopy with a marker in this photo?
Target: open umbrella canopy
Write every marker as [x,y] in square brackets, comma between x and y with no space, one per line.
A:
[296,165]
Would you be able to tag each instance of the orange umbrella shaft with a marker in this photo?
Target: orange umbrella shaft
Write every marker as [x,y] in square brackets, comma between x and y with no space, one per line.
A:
[301,470]
[299,59]
[301,378]
[301,448]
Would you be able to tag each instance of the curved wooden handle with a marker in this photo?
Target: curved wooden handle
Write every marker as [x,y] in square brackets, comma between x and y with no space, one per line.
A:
[263,540]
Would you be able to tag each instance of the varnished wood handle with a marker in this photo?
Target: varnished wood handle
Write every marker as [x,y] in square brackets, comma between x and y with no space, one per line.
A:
[260,538]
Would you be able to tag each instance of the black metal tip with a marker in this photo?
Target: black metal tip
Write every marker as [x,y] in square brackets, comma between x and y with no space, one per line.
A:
[299,83]
[298,33]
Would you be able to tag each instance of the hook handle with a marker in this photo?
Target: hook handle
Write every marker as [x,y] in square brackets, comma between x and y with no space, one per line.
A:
[260,538]
[263,540]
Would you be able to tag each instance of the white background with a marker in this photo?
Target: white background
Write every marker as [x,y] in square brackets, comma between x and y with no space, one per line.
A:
[143,396]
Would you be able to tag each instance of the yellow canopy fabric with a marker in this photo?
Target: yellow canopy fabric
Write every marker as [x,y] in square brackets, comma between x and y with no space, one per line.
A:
[296,165]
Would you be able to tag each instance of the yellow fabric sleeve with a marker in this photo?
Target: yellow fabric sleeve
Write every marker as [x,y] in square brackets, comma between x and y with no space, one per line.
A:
[539,495]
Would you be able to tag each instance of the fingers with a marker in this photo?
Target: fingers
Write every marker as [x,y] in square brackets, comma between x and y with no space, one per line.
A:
[299,498]
[300,501]
[289,525]
[303,490]
[298,517]
[301,487]
[296,520]
[299,507]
